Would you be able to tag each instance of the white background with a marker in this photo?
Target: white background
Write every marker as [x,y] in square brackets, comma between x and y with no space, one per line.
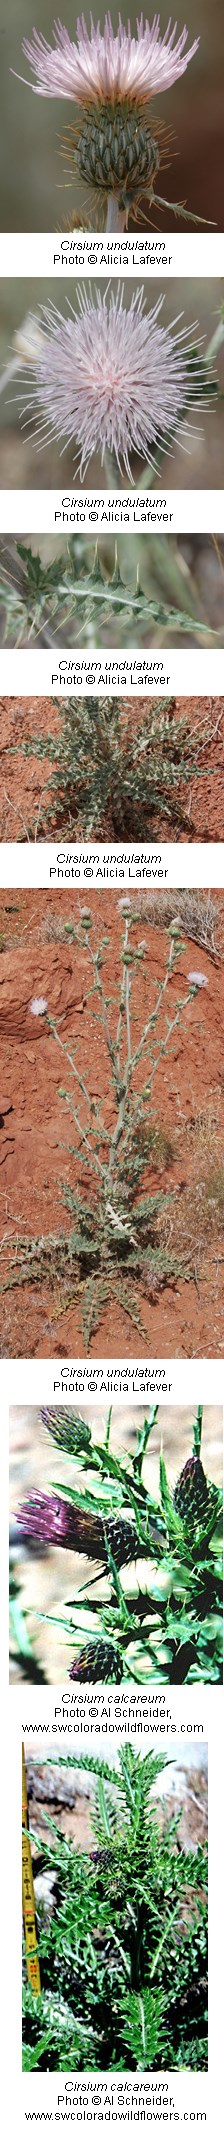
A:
[103,867]
[174,511]
[187,672]
[46,253]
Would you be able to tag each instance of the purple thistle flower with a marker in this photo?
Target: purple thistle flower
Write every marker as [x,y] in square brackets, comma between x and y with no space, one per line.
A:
[103,66]
[47,1519]
[111,378]
[55,1522]
[199,980]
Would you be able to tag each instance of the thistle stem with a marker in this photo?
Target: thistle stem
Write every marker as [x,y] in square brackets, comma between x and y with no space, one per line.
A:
[115,215]
[112,472]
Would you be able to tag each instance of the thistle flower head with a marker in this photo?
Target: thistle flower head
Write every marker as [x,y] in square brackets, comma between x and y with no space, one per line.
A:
[102,66]
[98,1660]
[38,1006]
[47,1519]
[68,1430]
[52,1521]
[111,379]
[191,1496]
[198,980]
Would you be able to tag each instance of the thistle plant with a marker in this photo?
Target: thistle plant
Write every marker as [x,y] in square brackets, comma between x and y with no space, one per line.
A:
[112,79]
[77,600]
[116,1246]
[161,1618]
[120,1986]
[110,379]
[112,777]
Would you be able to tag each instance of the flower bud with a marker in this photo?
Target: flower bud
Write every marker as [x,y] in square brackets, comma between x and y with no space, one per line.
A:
[68,1430]
[191,1496]
[99,1660]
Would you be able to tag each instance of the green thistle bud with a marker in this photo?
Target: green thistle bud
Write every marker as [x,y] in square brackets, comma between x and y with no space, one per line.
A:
[115,152]
[70,1431]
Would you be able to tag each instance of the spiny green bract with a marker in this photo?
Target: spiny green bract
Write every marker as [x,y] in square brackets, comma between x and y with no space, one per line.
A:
[116,149]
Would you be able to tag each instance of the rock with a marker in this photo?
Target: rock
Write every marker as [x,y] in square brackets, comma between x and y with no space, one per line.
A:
[51,1785]
[51,973]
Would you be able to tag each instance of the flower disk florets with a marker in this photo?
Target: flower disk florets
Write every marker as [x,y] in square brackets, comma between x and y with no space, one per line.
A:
[47,1519]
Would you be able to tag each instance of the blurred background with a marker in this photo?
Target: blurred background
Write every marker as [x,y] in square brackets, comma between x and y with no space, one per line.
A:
[37,192]
[23,464]
[47,1576]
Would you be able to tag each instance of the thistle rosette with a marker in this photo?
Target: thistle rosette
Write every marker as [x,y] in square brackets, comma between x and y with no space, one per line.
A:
[111,78]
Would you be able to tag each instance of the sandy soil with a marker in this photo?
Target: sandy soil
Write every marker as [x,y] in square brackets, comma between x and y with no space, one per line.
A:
[38,959]
[26,783]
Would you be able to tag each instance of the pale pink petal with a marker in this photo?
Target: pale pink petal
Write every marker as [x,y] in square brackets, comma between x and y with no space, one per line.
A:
[102,64]
[107,376]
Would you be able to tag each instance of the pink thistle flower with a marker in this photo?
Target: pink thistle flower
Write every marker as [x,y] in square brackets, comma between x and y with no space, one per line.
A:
[103,66]
[38,1006]
[48,1520]
[198,980]
[111,378]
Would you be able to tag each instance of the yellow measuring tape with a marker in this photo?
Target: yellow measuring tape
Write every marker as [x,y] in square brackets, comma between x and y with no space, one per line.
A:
[29,1919]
